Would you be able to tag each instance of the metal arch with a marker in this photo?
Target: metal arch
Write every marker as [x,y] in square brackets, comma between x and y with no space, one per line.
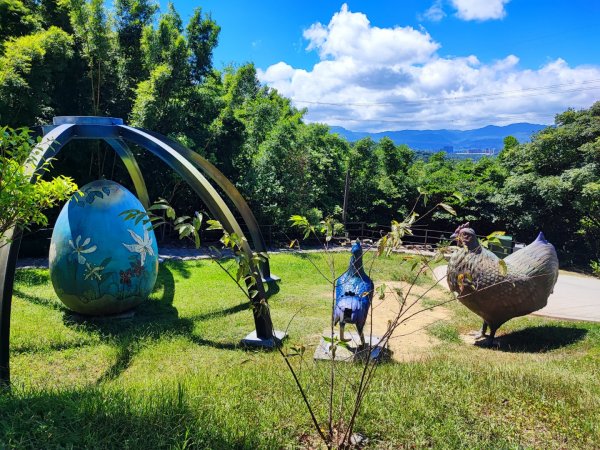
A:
[217,207]
[132,167]
[8,264]
[232,193]
[188,171]
[112,130]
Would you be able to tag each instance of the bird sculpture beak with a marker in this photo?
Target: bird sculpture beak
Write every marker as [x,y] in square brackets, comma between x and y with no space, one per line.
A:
[454,236]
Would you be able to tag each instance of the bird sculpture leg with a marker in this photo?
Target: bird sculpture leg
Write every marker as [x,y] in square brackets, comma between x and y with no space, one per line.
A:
[481,333]
[362,336]
[489,341]
[342,338]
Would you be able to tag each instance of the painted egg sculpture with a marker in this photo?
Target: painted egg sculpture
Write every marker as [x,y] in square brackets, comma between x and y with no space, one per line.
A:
[100,263]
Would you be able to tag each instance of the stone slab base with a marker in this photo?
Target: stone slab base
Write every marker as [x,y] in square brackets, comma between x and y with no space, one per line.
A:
[353,351]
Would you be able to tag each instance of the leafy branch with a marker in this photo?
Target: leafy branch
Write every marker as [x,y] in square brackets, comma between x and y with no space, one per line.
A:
[24,194]
[388,243]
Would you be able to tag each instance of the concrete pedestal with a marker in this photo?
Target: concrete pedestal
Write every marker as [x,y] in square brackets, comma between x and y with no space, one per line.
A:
[252,340]
[352,351]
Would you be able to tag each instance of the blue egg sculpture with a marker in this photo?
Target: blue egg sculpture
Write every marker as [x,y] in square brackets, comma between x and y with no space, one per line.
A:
[100,263]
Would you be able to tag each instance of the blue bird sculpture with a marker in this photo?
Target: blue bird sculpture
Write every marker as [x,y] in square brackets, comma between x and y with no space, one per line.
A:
[353,295]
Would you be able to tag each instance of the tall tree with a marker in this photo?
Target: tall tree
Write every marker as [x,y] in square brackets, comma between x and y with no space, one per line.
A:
[203,36]
[132,16]
[31,72]
[97,42]
[16,19]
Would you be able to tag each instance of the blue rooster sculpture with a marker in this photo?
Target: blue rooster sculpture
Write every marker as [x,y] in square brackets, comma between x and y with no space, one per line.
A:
[353,295]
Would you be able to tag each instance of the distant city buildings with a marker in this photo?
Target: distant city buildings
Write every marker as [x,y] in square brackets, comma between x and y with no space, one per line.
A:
[470,151]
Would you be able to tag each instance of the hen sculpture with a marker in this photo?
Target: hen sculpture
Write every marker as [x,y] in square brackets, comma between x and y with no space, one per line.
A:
[353,294]
[498,291]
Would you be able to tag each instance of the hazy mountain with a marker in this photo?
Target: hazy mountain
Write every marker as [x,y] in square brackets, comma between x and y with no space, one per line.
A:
[489,137]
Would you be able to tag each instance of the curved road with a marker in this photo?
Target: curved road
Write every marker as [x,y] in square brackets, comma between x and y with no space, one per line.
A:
[575,297]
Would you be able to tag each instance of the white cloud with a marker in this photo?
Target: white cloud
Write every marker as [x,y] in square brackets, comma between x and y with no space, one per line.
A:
[480,9]
[434,13]
[351,35]
[378,79]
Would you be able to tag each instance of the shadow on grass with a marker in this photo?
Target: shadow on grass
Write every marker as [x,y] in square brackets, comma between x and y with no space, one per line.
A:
[40,301]
[153,319]
[178,266]
[101,418]
[539,339]
[271,288]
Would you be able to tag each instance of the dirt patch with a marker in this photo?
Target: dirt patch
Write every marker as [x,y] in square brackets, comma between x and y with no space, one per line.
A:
[411,340]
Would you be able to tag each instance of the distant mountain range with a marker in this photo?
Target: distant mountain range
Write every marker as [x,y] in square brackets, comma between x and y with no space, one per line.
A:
[490,137]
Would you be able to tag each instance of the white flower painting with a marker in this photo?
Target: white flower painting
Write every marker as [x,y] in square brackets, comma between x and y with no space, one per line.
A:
[142,246]
[80,249]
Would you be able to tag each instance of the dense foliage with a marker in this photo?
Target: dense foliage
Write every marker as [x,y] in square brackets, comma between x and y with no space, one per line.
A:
[76,57]
[24,196]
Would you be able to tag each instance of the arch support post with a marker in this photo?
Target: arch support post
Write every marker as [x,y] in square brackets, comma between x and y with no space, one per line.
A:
[51,143]
[8,263]
[132,167]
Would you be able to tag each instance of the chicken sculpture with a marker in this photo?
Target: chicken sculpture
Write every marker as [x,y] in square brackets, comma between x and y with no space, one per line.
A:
[498,291]
[353,295]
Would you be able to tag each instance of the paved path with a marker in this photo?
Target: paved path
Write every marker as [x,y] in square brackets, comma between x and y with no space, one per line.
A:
[575,297]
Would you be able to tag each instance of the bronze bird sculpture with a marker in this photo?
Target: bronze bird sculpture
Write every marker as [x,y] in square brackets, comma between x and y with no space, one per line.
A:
[499,290]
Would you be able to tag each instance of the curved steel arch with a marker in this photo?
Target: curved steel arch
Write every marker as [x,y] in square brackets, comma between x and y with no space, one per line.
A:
[175,156]
[132,167]
[232,193]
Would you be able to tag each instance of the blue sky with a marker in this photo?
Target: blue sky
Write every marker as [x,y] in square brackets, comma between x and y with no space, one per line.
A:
[416,64]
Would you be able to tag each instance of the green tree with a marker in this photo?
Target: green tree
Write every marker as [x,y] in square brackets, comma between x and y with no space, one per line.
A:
[283,183]
[363,193]
[23,195]
[16,19]
[132,16]
[96,43]
[327,166]
[203,35]
[395,186]
[552,185]
[30,76]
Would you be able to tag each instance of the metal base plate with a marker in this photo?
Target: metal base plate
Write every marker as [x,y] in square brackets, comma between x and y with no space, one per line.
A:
[254,341]
[353,352]
[270,279]
[127,315]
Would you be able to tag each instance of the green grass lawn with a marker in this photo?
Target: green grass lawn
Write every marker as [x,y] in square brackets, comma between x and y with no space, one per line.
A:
[175,377]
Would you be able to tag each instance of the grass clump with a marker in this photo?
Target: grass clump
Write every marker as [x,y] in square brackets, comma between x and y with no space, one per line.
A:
[445,331]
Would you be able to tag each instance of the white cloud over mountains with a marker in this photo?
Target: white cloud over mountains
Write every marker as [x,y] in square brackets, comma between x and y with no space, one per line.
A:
[371,78]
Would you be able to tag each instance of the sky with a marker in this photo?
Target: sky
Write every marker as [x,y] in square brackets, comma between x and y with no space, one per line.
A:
[380,65]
